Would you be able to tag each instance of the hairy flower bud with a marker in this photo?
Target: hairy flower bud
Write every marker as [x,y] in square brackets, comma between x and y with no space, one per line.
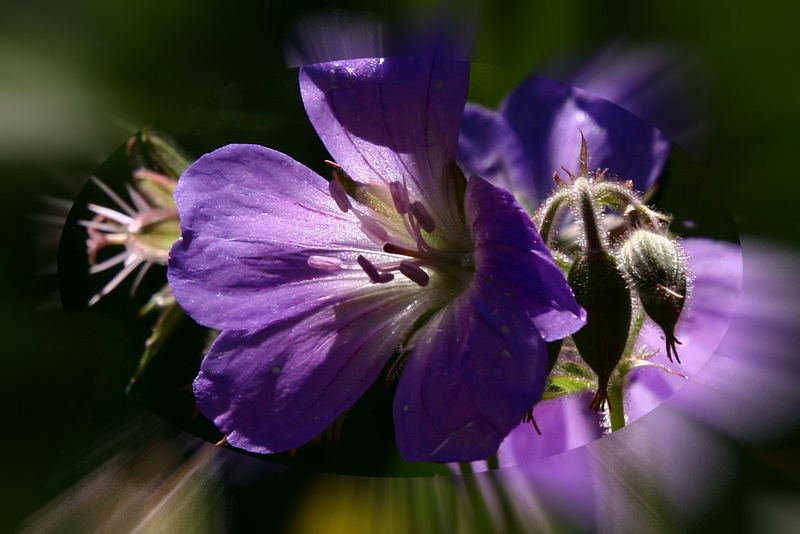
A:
[658,271]
[601,289]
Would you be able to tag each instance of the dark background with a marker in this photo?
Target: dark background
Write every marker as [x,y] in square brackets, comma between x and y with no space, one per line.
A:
[77,78]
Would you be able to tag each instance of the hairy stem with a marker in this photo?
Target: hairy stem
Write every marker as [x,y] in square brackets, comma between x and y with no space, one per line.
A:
[616,407]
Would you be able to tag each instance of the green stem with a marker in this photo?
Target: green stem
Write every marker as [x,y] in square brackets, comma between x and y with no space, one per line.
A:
[616,407]
[553,209]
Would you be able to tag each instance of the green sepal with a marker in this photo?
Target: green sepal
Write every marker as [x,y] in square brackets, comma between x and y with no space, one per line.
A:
[560,385]
[162,153]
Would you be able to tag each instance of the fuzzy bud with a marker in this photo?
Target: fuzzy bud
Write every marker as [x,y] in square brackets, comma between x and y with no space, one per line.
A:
[602,291]
[658,271]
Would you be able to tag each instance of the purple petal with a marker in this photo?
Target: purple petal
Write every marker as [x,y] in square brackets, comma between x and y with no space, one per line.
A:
[487,147]
[480,363]
[511,256]
[566,422]
[748,389]
[475,370]
[549,116]
[655,83]
[251,217]
[392,119]
[275,389]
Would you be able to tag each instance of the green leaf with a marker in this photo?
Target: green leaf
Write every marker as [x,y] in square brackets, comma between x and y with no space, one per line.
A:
[566,385]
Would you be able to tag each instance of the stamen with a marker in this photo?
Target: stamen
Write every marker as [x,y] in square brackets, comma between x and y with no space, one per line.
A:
[422,216]
[325,263]
[339,195]
[399,197]
[113,215]
[96,225]
[372,271]
[138,200]
[394,249]
[140,276]
[115,197]
[131,263]
[414,273]
[111,262]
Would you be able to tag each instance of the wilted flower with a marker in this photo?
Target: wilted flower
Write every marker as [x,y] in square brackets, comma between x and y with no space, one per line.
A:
[301,275]
[147,229]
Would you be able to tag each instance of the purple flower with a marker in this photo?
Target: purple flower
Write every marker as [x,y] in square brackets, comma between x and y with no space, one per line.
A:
[315,285]
[537,132]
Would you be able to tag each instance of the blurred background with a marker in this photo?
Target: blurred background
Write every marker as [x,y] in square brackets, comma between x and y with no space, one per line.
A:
[77,79]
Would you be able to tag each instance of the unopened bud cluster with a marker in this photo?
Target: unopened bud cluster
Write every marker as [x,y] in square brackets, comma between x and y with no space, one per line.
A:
[621,260]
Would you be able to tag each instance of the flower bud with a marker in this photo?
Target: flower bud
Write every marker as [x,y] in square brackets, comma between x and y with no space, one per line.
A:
[658,271]
[601,289]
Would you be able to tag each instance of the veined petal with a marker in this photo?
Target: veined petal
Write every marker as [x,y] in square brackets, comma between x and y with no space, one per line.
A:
[549,116]
[250,219]
[477,367]
[510,255]
[392,119]
[481,362]
[275,389]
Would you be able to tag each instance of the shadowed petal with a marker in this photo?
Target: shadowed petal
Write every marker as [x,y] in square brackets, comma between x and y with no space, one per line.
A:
[549,116]
[277,388]
[250,218]
[477,367]
[487,147]
[481,363]
[511,256]
[392,119]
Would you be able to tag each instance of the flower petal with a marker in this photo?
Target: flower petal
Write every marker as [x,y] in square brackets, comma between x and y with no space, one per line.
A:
[510,255]
[489,148]
[481,362]
[250,218]
[475,370]
[549,116]
[277,388]
[392,119]
[566,422]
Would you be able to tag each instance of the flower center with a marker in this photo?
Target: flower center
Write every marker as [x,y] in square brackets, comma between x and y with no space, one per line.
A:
[400,226]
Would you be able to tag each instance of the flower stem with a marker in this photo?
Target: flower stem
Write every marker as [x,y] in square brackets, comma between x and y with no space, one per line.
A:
[616,407]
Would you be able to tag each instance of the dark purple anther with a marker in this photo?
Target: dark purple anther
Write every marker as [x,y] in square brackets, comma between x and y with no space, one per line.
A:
[339,195]
[372,271]
[414,273]
[423,217]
